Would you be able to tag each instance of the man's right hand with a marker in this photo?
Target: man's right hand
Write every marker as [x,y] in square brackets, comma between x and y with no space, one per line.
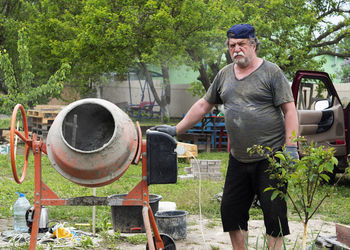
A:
[170,130]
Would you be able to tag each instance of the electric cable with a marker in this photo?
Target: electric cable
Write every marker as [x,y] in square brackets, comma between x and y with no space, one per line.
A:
[181,150]
[199,196]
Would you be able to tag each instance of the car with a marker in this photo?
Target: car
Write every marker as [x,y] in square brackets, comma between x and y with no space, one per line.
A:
[323,118]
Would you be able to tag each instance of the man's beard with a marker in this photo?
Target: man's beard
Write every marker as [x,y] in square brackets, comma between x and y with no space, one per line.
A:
[243,62]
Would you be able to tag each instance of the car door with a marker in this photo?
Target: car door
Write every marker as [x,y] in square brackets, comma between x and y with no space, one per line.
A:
[320,111]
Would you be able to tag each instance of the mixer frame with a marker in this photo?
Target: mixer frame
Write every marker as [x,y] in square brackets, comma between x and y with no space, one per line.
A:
[44,196]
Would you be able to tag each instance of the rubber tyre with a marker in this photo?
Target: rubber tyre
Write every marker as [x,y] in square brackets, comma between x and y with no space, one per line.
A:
[169,243]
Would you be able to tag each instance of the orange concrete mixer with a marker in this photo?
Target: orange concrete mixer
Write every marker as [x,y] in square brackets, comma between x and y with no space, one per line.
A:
[92,143]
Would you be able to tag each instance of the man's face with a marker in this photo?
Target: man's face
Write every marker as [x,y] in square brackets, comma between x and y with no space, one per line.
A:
[241,51]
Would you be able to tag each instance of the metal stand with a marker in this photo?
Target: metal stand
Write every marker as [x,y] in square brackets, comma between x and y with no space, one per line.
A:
[44,196]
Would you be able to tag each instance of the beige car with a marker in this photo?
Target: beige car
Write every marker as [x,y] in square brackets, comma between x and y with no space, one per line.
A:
[322,116]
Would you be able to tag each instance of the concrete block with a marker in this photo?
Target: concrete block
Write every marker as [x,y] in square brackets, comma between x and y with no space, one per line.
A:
[188,170]
[186,177]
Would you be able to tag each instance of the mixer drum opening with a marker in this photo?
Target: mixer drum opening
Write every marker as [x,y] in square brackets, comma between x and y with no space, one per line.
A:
[92,142]
[88,127]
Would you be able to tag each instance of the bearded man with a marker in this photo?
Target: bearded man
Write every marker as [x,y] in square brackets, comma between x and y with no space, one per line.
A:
[259,109]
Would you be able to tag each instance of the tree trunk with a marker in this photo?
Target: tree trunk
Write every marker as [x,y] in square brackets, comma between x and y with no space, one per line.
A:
[215,68]
[203,76]
[304,236]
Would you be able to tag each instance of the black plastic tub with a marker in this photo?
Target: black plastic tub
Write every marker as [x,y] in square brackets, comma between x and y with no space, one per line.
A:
[172,223]
[128,219]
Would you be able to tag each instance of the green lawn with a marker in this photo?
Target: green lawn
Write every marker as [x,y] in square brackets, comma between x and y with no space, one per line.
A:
[184,193]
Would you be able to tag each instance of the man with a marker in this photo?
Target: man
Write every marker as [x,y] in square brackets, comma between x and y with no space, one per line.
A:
[259,110]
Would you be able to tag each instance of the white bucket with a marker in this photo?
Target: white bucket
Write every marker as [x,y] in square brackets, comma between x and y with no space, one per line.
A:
[167,206]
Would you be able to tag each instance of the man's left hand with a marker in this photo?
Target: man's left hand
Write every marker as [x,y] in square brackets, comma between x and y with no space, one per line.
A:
[292,150]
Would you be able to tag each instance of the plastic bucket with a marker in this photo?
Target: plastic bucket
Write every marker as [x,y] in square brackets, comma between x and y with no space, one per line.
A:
[166,206]
[172,223]
[128,219]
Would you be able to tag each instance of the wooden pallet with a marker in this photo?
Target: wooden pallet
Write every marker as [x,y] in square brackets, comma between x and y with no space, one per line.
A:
[44,113]
[39,126]
[40,133]
[41,118]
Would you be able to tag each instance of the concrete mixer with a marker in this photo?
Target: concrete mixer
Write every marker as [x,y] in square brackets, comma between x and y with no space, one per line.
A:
[92,143]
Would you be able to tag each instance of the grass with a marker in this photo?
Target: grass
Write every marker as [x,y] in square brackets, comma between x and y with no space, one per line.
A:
[334,209]
[66,189]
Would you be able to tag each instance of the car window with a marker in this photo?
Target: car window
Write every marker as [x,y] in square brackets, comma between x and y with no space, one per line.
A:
[312,91]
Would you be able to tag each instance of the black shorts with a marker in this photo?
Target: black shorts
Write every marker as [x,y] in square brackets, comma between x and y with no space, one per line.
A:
[243,182]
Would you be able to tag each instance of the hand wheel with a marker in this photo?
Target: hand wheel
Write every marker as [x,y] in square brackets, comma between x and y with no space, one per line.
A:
[24,138]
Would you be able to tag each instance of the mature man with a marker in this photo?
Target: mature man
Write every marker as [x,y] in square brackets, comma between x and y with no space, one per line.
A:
[259,110]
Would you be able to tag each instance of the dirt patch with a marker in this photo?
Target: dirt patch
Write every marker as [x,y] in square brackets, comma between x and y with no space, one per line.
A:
[207,234]
[6,224]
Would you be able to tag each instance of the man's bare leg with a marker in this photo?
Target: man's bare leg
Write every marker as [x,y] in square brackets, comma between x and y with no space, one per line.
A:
[239,239]
[274,243]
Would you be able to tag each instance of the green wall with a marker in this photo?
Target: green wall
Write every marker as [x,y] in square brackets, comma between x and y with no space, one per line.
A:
[178,74]
[332,67]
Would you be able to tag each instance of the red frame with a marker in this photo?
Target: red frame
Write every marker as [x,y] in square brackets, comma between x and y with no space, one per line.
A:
[44,196]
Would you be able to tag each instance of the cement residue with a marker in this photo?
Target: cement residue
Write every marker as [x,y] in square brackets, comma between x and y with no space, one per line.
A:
[94,127]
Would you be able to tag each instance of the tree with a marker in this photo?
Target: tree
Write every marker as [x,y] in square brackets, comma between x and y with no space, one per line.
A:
[53,29]
[331,34]
[344,71]
[292,32]
[133,32]
[21,87]
[98,36]
[170,29]
[303,177]
[11,15]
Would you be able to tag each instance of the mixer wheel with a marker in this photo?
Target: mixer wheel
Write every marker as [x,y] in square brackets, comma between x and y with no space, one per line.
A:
[169,243]
[24,138]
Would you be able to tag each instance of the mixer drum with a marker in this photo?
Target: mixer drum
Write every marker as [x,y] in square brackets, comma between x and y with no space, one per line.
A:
[92,142]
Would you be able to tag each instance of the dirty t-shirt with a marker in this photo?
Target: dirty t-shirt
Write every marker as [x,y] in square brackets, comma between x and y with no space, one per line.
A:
[252,108]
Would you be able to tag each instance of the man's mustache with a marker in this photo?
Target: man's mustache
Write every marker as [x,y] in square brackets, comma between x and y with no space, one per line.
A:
[238,54]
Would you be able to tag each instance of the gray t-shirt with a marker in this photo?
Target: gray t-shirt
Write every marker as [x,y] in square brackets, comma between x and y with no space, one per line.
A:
[252,108]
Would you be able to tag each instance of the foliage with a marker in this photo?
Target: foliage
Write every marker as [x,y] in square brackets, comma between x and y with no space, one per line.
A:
[345,70]
[303,177]
[196,89]
[112,240]
[5,123]
[98,36]
[23,89]
[86,242]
